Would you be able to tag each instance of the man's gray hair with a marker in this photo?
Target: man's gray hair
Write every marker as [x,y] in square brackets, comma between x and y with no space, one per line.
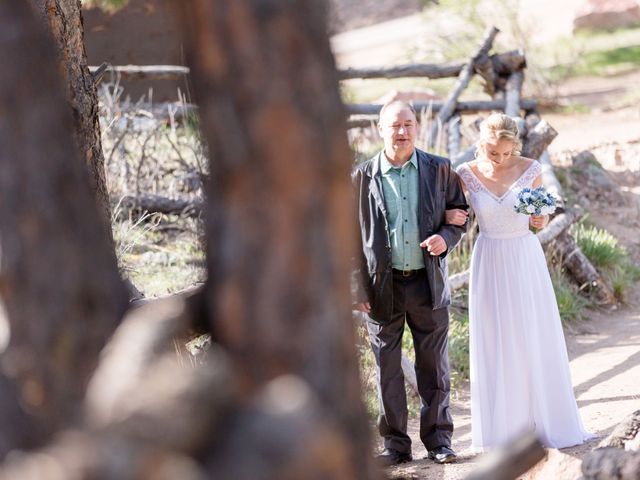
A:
[401,103]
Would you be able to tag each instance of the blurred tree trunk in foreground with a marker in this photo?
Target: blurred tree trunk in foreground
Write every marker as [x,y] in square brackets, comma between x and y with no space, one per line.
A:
[279,397]
[279,222]
[64,19]
[60,282]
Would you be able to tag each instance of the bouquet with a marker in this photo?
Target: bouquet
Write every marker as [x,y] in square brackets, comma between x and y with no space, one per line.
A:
[536,201]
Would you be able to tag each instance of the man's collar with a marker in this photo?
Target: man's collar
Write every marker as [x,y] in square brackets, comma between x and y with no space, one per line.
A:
[385,164]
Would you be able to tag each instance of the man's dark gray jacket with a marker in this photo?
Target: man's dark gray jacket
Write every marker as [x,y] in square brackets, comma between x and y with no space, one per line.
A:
[439,189]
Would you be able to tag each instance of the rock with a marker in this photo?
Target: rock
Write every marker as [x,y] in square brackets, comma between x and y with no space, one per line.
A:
[587,165]
[584,159]
[604,14]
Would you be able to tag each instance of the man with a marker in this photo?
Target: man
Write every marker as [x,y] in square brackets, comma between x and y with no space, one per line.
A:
[401,275]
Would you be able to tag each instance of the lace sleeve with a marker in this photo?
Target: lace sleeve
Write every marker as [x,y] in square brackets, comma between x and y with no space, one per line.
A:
[534,170]
[469,179]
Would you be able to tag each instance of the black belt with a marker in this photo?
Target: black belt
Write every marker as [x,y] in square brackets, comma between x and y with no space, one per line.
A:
[406,273]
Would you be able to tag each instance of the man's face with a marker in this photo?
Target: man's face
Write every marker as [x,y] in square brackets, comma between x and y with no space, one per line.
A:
[398,128]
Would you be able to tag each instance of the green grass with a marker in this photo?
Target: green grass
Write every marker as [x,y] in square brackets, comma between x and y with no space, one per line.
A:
[459,340]
[611,259]
[158,258]
[600,247]
[571,304]
[612,61]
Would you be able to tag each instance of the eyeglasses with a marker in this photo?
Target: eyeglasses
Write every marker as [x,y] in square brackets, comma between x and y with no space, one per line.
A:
[398,126]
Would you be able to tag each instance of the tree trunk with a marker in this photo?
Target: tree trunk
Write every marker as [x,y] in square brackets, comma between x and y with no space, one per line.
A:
[64,19]
[279,222]
[60,282]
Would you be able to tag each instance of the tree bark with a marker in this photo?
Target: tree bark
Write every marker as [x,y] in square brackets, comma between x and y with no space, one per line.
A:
[550,181]
[513,94]
[279,222]
[402,71]
[538,139]
[60,281]
[582,270]
[64,19]
[454,137]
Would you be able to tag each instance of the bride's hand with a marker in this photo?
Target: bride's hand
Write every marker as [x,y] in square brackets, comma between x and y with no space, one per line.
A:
[455,216]
[538,221]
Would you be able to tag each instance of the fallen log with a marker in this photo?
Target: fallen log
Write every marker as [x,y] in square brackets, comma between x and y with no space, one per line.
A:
[484,68]
[513,92]
[459,280]
[464,157]
[626,434]
[160,204]
[550,181]
[538,139]
[409,371]
[425,70]
[435,107]
[128,72]
[502,64]
[454,137]
[559,224]
[463,80]
[582,270]
[611,464]
[510,461]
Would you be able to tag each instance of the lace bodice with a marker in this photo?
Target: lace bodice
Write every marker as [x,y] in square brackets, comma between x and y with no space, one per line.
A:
[496,215]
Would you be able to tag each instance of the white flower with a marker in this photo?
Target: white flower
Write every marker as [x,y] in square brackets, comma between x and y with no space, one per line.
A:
[530,209]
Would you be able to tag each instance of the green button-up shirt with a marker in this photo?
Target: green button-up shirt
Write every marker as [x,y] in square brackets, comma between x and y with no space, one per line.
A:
[400,188]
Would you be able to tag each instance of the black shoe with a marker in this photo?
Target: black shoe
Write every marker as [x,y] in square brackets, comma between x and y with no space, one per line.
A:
[442,455]
[392,457]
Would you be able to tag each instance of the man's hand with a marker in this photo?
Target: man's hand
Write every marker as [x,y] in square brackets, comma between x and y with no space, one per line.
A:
[435,245]
[364,307]
[455,216]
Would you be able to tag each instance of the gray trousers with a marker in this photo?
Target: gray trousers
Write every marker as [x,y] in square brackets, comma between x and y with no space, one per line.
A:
[429,328]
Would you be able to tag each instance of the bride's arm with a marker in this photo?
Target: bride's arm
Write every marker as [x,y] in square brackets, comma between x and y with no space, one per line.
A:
[457,216]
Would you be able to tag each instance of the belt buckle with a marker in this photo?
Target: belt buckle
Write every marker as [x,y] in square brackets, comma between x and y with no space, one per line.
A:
[407,273]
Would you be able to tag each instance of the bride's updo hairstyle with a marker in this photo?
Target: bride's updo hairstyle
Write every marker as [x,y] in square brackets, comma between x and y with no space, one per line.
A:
[496,127]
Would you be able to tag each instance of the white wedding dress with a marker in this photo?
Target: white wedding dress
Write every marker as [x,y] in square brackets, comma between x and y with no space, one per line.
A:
[520,379]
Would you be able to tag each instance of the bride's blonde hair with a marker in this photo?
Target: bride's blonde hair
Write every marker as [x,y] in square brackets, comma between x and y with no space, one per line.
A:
[496,127]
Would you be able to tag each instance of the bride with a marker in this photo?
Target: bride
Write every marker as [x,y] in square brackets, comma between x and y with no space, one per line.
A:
[520,379]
